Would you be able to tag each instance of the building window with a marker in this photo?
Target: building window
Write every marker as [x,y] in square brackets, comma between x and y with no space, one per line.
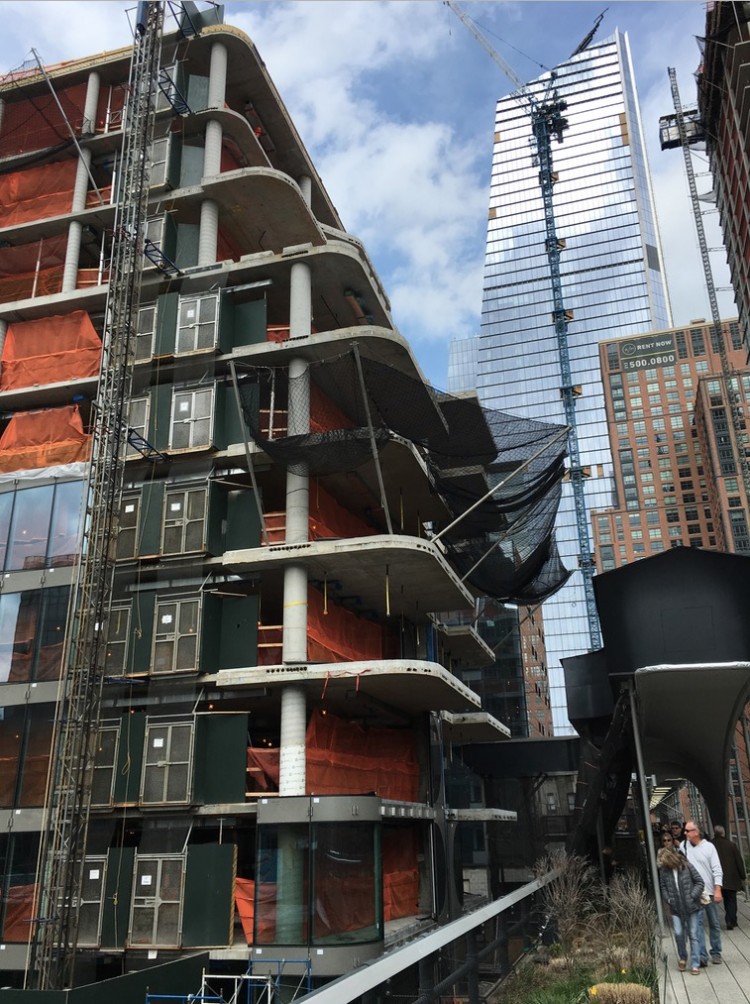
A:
[176,636]
[697,341]
[105,759]
[197,327]
[127,536]
[184,521]
[192,411]
[144,333]
[157,892]
[92,897]
[138,421]
[167,764]
[118,631]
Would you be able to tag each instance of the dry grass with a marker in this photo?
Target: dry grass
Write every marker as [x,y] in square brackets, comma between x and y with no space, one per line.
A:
[620,993]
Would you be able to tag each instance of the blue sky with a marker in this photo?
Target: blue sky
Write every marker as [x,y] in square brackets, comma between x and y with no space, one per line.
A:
[395,101]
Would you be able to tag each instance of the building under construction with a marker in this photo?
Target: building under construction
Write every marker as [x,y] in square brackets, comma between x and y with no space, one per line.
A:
[278,716]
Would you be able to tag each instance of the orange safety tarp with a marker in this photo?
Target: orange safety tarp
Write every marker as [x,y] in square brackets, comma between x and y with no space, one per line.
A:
[339,635]
[343,867]
[19,909]
[35,123]
[43,438]
[328,518]
[34,269]
[50,350]
[343,758]
[400,873]
[37,192]
[244,897]
[325,415]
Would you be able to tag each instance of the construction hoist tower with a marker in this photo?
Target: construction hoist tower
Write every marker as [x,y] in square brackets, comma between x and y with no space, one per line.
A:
[548,121]
[684,129]
[64,833]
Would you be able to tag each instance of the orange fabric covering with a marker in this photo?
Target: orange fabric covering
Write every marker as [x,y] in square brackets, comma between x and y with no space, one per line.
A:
[354,911]
[92,199]
[50,350]
[18,913]
[37,192]
[328,518]
[43,438]
[226,249]
[400,873]
[229,159]
[34,269]
[339,635]
[343,758]
[36,123]
[111,105]
[324,414]
[244,898]
[269,644]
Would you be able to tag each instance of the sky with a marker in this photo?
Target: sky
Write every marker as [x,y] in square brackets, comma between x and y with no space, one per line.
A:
[395,101]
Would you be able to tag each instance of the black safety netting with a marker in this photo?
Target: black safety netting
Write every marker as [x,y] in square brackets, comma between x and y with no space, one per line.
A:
[327,421]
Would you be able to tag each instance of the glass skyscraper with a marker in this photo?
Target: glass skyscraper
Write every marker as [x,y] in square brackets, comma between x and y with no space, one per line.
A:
[613,282]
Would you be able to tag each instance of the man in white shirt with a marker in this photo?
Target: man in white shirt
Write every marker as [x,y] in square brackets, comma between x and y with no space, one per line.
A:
[702,855]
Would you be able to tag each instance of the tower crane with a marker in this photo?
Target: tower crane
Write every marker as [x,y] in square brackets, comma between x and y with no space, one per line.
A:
[548,121]
[64,833]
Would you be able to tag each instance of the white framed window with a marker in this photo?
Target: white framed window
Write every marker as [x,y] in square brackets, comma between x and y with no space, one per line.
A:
[197,327]
[118,631]
[92,898]
[184,523]
[156,914]
[176,635]
[138,420]
[105,760]
[145,333]
[167,769]
[192,418]
[127,535]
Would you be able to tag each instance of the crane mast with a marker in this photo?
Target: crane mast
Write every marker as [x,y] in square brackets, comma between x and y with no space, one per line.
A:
[727,372]
[64,834]
[548,121]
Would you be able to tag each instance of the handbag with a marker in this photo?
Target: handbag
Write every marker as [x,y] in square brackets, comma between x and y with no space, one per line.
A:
[705,899]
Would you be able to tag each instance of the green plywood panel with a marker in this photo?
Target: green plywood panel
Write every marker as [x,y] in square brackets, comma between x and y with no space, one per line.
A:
[117,894]
[208,906]
[210,633]
[250,323]
[151,518]
[130,757]
[220,759]
[166,308]
[243,520]
[159,416]
[186,253]
[142,630]
[217,514]
[226,322]
[239,632]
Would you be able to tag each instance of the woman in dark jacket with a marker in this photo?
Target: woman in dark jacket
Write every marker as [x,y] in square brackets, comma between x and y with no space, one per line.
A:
[681,889]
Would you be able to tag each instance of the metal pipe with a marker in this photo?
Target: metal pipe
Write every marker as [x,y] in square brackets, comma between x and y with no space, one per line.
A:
[650,849]
[373,444]
[248,455]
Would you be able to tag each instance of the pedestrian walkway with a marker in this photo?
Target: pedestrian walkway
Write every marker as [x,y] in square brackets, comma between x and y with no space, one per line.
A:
[728,983]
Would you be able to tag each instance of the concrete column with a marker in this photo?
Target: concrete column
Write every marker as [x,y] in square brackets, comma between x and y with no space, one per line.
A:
[217,76]
[72,256]
[208,239]
[212,150]
[300,303]
[292,752]
[81,185]
[305,184]
[91,104]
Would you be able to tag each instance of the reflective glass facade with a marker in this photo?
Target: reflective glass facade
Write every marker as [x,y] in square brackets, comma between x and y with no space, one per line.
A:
[613,281]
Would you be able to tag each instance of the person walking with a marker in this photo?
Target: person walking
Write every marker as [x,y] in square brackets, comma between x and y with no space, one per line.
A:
[702,855]
[681,889]
[733,868]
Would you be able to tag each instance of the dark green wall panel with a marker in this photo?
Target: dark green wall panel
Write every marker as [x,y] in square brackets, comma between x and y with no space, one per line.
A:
[208,907]
[220,758]
[130,757]
[117,895]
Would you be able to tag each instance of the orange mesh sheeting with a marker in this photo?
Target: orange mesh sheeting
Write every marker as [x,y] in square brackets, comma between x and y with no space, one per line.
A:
[324,414]
[270,637]
[36,123]
[355,911]
[18,912]
[339,636]
[263,768]
[226,249]
[328,518]
[244,898]
[43,438]
[400,874]
[50,350]
[92,199]
[32,269]
[229,159]
[109,111]
[37,192]
[345,759]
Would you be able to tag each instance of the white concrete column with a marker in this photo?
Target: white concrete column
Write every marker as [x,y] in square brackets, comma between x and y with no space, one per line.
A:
[305,184]
[208,239]
[72,256]
[91,104]
[217,76]
[82,182]
[300,302]
[212,150]
[292,741]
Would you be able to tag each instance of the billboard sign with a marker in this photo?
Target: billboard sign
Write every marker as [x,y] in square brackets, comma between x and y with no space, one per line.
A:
[648,352]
